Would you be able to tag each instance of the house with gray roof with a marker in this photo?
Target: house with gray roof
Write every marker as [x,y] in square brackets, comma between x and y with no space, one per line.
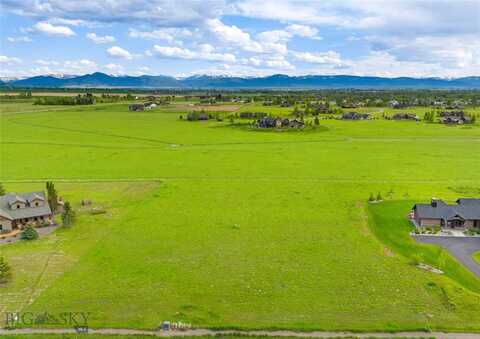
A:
[19,210]
[464,214]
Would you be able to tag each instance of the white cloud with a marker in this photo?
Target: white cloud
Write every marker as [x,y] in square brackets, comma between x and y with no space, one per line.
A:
[100,39]
[152,35]
[47,62]
[170,34]
[82,65]
[162,13]
[204,52]
[277,62]
[70,22]
[19,39]
[331,57]
[115,68]
[234,36]
[9,60]
[48,28]
[118,52]
[303,31]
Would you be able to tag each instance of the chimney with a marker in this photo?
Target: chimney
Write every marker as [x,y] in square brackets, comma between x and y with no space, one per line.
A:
[434,202]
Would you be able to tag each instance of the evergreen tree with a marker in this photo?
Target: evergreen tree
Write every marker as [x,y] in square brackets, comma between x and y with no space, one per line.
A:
[52,196]
[29,233]
[2,189]
[379,197]
[371,198]
[5,271]
[68,215]
[316,121]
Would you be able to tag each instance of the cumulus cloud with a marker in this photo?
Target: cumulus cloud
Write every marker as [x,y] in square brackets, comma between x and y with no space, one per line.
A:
[118,52]
[158,12]
[303,31]
[48,28]
[233,35]
[205,52]
[331,57]
[115,69]
[169,34]
[47,62]
[9,60]
[278,62]
[100,39]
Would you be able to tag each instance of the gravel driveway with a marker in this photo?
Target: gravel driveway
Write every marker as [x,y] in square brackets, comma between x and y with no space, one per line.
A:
[461,248]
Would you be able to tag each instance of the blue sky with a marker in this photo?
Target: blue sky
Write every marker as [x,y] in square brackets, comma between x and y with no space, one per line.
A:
[245,37]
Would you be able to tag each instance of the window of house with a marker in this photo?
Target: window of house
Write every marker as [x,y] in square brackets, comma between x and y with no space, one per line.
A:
[18,206]
[36,204]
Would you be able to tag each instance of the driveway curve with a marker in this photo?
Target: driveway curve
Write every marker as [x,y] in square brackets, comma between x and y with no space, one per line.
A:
[461,248]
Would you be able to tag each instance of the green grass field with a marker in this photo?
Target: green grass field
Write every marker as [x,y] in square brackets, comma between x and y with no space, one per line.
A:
[108,336]
[225,227]
[476,256]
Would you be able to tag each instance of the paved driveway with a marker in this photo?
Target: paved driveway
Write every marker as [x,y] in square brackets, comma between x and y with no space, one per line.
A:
[460,247]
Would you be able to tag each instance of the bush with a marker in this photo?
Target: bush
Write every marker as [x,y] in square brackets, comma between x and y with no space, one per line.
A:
[68,215]
[5,271]
[29,233]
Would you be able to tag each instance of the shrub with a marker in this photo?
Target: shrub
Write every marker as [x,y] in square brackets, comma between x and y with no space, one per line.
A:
[29,233]
[379,197]
[68,215]
[5,271]
[371,198]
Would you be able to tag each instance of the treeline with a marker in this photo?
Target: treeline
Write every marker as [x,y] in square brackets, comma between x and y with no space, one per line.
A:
[86,99]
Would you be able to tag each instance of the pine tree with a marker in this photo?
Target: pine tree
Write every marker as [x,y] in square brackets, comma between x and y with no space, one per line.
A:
[379,197]
[5,271]
[371,198]
[29,233]
[2,189]
[68,215]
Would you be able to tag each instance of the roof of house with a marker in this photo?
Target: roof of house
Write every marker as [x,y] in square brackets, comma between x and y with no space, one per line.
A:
[466,208]
[6,201]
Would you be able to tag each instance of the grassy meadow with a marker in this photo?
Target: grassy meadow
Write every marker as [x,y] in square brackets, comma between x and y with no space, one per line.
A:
[225,227]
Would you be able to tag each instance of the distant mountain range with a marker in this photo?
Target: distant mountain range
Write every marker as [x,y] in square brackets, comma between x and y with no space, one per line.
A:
[102,80]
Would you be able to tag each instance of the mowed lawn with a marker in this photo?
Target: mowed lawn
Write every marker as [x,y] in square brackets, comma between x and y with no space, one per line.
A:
[225,227]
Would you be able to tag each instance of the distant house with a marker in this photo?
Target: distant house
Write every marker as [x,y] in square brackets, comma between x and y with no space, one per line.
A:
[405,116]
[355,116]
[396,104]
[18,210]
[464,214]
[454,118]
[149,105]
[136,107]
[271,122]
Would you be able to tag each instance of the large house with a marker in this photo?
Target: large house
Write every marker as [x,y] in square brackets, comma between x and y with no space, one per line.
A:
[18,210]
[464,214]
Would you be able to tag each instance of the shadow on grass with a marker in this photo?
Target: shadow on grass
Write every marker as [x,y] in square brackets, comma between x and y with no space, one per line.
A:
[390,224]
